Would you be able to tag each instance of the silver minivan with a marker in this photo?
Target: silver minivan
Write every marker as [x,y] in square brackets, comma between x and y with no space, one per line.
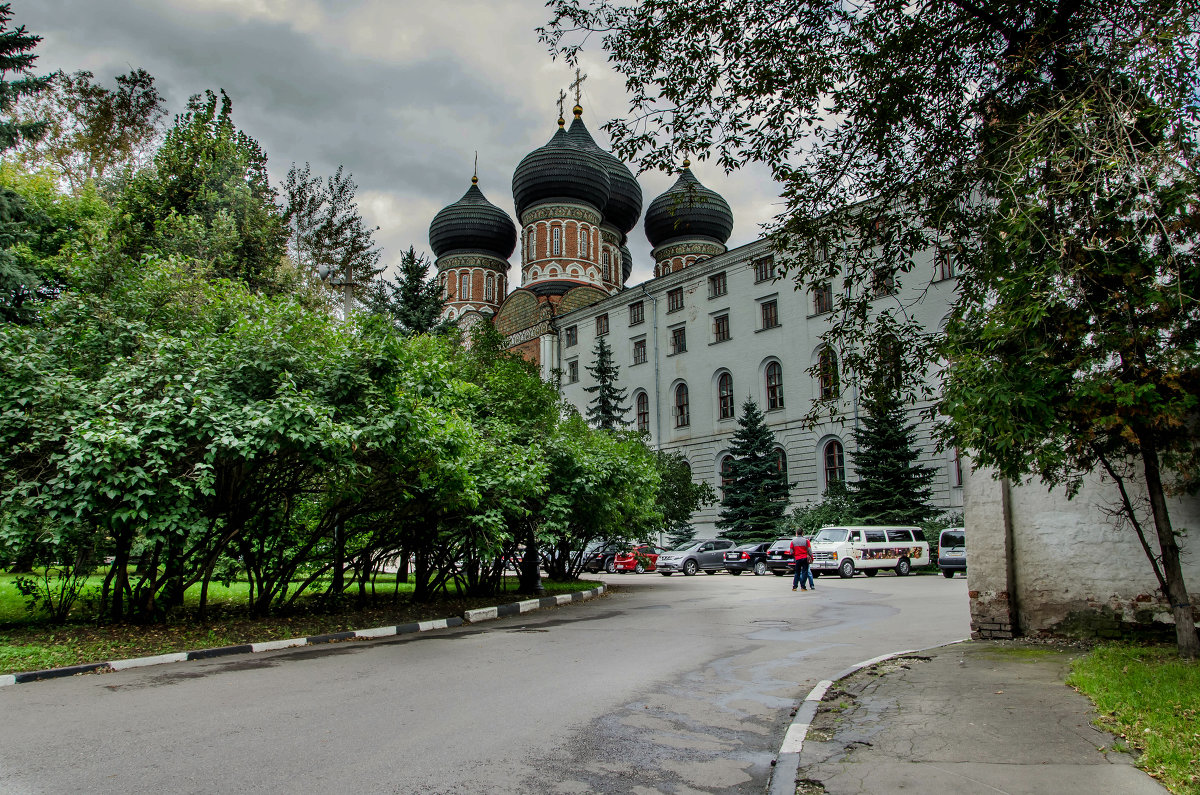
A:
[707,555]
[952,551]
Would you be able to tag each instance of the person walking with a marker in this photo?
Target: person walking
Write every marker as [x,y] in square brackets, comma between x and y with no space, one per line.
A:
[802,553]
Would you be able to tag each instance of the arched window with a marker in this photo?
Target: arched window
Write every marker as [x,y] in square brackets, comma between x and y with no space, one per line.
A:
[643,411]
[726,471]
[585,244]
[829,375]
[531,240]
[556,241]
[835,463]
[464,286]
[774,386]
[683,416]
[442,284]
[725,407]
[489,288]
[607,259]
[781,465]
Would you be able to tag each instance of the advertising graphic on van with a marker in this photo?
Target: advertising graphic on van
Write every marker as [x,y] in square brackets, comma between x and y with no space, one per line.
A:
[849,549]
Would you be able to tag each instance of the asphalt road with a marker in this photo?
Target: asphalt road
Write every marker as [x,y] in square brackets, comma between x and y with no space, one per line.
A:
[671,685]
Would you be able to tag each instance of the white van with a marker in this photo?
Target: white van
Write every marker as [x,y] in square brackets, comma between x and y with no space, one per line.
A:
[868,549]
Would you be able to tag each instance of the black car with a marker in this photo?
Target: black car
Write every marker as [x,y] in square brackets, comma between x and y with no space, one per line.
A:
[601,557]
[779,557]
[748,557]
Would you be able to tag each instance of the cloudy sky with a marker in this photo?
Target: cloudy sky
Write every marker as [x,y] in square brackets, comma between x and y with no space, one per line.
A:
[400,92]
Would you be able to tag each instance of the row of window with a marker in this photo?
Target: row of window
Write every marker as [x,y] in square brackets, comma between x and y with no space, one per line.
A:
[769,311]
[556,242]
[464,287]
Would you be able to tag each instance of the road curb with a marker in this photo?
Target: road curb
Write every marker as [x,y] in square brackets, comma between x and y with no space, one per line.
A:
[469,617]
[787,763]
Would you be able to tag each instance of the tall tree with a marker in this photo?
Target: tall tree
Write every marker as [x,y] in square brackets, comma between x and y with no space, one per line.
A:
[891,486]
[605,409]
[756,493]
[679,496]
[1031,143]
[207,197]
[411,299]
[94,131]
[16,57]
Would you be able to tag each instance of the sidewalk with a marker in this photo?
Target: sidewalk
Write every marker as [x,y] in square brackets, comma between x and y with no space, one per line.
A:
[975,717]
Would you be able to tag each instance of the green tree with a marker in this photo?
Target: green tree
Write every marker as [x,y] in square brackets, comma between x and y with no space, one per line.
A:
[836,507]
[605,410]
[93,131]
[1036,157]
[891,486]
[679,496]
[756,493]
[411,300]
[16,57]
[206,197]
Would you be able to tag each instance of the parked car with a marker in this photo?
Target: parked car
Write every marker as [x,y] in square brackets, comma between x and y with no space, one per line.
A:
[602,556]
[748,557]
[779,558]
[639,559]
[952,551]
[707,555]
[869,549]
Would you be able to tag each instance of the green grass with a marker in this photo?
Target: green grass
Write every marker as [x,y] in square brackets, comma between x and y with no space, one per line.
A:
[27,645]
[1151,698]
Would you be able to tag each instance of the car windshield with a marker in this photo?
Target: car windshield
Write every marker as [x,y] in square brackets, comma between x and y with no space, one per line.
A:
[831,535]
[684,547]
[955,539]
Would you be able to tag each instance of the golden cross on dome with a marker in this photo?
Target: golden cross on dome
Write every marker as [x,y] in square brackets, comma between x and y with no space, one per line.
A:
[562,95]
[578,84]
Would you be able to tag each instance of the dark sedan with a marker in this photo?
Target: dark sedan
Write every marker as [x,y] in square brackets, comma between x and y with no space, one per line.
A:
[602,557]
[779,557]
[748,557]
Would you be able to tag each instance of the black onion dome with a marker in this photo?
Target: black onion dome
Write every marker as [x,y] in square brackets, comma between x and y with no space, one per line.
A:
[688,210]
[562,170]
[626,263]
[625,194]
[473,224]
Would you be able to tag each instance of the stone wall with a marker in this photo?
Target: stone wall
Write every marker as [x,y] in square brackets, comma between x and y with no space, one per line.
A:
[1039,563]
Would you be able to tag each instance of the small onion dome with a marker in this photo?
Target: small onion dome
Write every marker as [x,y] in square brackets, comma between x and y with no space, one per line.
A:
[625,195]
[473,224]
[688,210]
[626,263]
[562,170]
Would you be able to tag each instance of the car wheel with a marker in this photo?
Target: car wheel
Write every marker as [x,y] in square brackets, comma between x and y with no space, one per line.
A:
[870,572]
[734,572]
[948,573]
[690,568]
[846,569]
[760,569]
[610,566]
[666,573]
[639,569]
[903,567]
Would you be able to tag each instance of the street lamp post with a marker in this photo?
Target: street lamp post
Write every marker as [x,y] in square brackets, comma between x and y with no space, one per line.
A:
[344,281]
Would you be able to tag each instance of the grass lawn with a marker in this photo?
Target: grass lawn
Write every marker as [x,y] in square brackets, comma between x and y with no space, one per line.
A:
[32,646]
[1151,698]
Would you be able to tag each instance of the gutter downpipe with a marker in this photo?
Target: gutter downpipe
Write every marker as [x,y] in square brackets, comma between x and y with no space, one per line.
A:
[657,395]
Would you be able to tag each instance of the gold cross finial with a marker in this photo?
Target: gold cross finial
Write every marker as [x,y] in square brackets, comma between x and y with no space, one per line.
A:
[562,95]
[475,176]
[578,84]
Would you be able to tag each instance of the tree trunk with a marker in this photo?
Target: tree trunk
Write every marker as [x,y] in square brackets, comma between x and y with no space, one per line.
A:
[531,577]
[1181,604]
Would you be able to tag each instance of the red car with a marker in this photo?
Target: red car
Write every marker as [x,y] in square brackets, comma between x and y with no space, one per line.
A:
[639,559]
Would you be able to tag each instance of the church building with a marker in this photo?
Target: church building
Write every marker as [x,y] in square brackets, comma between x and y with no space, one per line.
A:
[711,328]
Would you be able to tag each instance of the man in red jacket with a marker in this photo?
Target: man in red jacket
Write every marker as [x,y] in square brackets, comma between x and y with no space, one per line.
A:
[802,552]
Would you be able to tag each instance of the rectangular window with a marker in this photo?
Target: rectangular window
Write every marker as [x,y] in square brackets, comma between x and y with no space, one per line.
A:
[637,313]
[675,299]
[572,371]
[720,328]
[947,268]
[602,325]
[883,282]
[717,286]
[770,314]
[822,298]
[639,351]
[572,335]
[678,339]
[763,269]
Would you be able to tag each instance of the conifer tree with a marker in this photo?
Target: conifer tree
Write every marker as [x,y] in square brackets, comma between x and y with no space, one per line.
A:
[606,410]
[892,487]
[412,300]
[756,494]
[16,57]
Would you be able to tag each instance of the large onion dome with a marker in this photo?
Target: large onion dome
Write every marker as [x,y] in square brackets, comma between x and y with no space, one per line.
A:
[688,210]
[562,170]
[626,263]
[625,195]
[473,224]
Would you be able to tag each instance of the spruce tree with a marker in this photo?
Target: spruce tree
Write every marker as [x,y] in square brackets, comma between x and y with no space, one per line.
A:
[412,300]
[16,58]
[606,410]
[892,487]
[756,494]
